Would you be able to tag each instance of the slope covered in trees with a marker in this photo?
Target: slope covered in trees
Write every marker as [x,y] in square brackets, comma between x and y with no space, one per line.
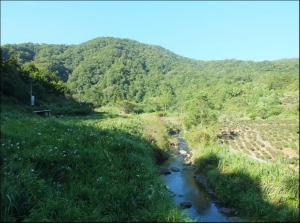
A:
[112,70]
[19,82]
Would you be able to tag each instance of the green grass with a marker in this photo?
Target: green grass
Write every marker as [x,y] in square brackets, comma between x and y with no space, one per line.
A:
[264,192]
[79,169]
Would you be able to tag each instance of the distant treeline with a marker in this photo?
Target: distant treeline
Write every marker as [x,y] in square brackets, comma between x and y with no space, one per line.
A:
[113,70]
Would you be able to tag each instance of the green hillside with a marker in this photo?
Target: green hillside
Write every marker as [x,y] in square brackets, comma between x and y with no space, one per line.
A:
[110,70]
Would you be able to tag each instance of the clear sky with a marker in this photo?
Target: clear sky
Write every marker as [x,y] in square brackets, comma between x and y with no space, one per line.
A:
[202,30]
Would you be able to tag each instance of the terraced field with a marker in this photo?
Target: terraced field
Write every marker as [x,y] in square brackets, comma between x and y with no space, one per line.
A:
[264,140]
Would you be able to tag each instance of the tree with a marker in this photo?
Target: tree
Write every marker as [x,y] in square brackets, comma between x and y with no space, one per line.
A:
[199,110]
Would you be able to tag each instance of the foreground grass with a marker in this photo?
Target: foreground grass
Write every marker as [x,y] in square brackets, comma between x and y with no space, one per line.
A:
[81,170]
[262,192]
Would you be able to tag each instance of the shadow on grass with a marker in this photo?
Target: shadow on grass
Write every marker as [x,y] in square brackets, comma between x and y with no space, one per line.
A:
[245,194]
[94,116]
[56,171]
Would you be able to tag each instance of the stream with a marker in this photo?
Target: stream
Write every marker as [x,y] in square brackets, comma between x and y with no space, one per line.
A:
[186,188]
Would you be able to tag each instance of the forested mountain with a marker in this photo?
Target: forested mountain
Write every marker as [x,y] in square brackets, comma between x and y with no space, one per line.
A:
[110,70]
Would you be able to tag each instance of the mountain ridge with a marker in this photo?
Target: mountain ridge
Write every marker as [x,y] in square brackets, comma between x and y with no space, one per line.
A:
[106,70]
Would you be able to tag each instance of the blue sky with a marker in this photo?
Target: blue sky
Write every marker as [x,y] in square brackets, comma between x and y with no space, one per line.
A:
[202,30]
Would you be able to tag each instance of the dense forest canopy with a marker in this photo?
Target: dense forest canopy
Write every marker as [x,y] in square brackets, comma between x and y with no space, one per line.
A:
[110,70]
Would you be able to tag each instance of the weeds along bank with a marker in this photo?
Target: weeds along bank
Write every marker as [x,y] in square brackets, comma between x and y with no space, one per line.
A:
[261,191]
[82,170]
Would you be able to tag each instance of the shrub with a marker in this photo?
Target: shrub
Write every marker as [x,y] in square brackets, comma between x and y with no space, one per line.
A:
[202,134]
[252,116]
[156,132]
[274,111]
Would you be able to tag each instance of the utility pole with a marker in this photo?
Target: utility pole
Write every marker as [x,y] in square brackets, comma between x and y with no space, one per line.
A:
[31,97]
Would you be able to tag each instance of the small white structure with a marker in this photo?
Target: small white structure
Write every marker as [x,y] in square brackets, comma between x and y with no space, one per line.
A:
[32,100]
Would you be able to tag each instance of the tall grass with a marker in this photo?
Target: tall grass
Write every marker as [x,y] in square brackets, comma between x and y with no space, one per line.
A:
[260,191]
[82,170]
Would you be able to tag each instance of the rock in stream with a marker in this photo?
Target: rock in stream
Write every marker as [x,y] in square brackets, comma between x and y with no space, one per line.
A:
[186,204]
[174,169]
[164,170]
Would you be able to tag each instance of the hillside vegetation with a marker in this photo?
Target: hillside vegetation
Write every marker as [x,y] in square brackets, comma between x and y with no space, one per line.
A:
[110,70]
[114,104]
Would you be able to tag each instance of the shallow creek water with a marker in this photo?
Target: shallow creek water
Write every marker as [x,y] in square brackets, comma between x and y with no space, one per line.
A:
[186,188]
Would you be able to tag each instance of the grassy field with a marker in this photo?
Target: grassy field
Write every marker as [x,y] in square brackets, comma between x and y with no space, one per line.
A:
[96,168]
[262,192]
[260,177]
[101,167]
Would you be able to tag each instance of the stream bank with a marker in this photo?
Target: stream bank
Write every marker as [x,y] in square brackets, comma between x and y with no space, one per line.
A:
[190,191]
